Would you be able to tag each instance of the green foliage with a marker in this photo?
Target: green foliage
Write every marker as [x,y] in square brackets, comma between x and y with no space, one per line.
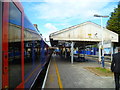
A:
[103,70]
[113,23]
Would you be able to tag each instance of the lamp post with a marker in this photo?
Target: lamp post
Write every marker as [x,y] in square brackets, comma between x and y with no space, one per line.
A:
[102,57]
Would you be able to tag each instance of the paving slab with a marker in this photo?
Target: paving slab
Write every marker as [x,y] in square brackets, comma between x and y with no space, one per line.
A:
[52,80]
[76,76]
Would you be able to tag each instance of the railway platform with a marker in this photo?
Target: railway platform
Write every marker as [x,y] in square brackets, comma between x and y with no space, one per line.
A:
[63,74]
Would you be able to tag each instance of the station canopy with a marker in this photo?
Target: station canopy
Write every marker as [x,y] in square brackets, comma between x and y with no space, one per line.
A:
[87,33]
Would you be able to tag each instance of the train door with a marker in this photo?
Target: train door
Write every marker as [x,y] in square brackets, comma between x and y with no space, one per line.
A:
[0,45]
[13,46]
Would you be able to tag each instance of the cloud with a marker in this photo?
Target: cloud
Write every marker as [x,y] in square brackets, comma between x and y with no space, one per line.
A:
[50,28]
[72,1]
[61,1]
[64,13]
[62,9]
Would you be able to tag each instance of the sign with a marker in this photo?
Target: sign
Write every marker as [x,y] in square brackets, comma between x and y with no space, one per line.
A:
[107,45]
[89,35]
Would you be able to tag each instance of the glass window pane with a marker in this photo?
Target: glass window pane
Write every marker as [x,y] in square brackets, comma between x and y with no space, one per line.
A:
[28,57]
[14,39]
[31,47]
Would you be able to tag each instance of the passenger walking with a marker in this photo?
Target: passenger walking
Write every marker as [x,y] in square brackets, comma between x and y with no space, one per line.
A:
[115,67]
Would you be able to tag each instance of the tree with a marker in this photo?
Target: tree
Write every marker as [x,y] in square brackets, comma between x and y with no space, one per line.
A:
[113,23]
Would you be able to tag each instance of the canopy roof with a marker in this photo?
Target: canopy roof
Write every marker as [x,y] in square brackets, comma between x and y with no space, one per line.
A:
[87,32]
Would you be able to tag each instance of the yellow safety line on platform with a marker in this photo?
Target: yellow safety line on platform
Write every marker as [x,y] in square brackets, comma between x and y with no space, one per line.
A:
[58,76]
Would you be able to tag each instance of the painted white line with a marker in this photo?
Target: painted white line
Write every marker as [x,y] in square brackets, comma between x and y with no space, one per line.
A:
[35,80]
[43,86]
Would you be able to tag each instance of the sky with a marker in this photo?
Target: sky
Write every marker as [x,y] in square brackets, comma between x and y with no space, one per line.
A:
[55,15]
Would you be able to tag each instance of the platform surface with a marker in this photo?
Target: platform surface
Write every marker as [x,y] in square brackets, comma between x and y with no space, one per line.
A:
[75,75]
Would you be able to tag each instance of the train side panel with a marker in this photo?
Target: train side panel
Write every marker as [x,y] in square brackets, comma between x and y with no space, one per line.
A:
[5,19]
[0,44]
[24,53]
[12,50]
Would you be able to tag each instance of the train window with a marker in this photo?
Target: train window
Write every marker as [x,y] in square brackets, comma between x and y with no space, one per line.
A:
[31,47]
[31,56]
[14,39]
[14,15]
[27,56]
[42,56]
[28,24]
[37,52]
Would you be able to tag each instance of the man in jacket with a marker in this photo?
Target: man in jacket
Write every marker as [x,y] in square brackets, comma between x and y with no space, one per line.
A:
[115,67]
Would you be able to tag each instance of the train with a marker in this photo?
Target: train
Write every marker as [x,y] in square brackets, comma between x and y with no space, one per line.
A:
[23,52]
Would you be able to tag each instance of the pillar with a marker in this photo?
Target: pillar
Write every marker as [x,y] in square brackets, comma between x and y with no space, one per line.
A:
[99,52]
[72,45]
[111,50]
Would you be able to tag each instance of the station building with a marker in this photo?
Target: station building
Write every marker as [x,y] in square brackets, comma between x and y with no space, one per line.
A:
[80,36]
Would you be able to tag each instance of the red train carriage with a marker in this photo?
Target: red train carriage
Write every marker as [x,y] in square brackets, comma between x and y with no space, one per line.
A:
[23,53]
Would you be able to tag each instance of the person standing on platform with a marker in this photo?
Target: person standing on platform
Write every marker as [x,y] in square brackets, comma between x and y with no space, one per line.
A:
[115,67]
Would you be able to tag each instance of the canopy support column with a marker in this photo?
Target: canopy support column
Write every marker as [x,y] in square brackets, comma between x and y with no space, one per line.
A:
[72,45]
[99,52]
[111,50]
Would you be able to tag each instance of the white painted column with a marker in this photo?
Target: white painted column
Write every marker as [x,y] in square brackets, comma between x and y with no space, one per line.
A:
[111,50]
[99,53]
[72,45]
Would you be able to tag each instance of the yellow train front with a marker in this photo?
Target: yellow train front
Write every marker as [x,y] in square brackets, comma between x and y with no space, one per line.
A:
[23,52]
